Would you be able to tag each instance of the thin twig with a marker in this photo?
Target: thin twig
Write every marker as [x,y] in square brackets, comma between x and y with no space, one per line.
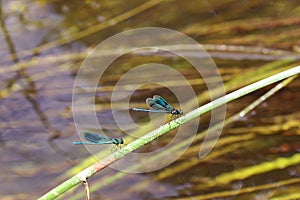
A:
[87,190]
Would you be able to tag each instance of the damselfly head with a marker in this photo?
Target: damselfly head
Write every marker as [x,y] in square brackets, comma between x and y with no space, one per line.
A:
[121,141]
[118,141]
[176,112]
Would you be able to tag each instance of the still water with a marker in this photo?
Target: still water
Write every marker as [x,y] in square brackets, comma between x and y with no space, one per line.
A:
[44,43]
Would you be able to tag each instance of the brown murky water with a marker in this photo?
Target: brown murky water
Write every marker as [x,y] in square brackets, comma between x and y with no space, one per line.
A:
[45,42]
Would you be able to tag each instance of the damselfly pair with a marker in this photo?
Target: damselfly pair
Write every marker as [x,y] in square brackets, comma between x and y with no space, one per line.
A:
[157,104]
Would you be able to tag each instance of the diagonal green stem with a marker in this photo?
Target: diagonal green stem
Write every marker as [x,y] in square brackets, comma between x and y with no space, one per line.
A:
[82,176]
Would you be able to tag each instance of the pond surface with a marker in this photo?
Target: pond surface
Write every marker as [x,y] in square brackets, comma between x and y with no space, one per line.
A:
[44,43]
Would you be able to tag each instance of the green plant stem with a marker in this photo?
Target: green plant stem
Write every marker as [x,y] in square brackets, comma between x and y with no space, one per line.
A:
[171,171]
[82,176]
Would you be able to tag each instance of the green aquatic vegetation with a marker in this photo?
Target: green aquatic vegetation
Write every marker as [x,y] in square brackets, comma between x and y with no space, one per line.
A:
[83,175]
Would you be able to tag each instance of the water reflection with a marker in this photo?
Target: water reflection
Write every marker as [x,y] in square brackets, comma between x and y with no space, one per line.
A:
[44,43]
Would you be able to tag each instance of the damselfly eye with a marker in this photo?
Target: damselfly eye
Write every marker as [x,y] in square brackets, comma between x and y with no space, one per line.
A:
[175,112]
